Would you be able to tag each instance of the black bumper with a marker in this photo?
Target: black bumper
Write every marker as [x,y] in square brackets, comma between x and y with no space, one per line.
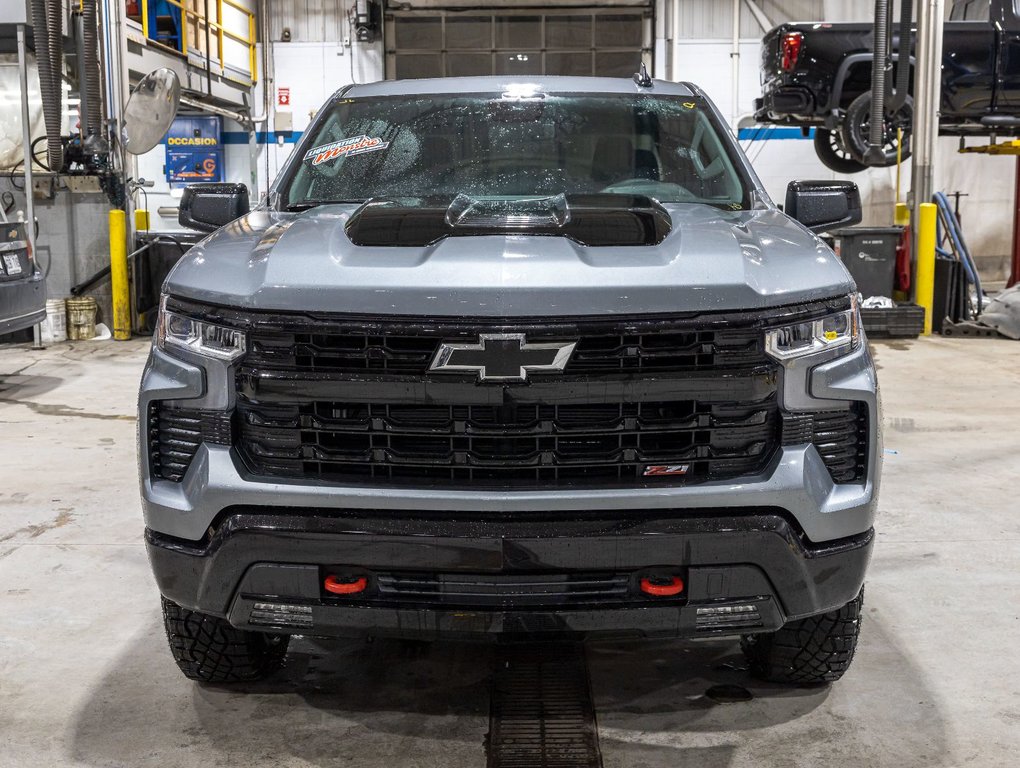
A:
[752,564]
[785,102]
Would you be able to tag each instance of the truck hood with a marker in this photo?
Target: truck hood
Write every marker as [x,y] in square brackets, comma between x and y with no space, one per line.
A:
[712,260]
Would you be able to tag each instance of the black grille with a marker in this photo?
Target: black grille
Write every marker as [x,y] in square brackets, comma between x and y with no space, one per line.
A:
[649,348]
[841,438]
[509,443]
[176,433]
[506,590]
[341,398]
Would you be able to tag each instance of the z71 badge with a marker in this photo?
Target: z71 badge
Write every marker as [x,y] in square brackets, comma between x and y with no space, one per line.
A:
[666,469]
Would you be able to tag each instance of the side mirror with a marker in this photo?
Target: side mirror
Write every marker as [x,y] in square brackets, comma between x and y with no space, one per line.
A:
[823,205]
[207,207]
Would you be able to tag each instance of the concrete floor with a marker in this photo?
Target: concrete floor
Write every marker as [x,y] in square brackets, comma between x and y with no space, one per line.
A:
[86,679]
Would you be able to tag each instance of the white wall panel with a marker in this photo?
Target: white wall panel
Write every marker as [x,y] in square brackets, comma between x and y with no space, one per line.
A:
[309,20]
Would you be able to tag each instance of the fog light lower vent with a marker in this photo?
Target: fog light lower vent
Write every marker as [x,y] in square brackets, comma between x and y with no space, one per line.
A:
[281,615]
[723,617]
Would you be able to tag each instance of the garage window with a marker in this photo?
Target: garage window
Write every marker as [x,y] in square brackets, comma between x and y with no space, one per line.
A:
[598,41]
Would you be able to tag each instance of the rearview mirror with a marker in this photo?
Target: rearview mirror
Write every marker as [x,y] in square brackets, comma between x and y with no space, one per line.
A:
[823,205]
[207,207]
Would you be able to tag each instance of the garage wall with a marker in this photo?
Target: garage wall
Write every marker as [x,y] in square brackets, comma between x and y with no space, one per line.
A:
[781,155]
[73,241]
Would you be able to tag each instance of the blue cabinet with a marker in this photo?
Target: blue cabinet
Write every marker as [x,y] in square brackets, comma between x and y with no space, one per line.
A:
[194,150]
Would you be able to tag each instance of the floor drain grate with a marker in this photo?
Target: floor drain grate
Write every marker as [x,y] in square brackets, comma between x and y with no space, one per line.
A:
[541,713]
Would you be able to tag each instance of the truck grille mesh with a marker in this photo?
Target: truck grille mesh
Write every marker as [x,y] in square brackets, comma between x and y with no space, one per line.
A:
[606,350]
[342,399]
[527,444]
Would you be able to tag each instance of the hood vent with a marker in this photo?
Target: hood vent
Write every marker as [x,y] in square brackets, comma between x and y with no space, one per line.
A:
[591,220]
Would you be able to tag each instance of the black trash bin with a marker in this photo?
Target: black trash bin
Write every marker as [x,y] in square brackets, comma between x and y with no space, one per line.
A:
[869,253]
[151,268]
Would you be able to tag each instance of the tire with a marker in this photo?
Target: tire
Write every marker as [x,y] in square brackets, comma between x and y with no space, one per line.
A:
[857,122]
[208,649]
[818,649]
[833,154]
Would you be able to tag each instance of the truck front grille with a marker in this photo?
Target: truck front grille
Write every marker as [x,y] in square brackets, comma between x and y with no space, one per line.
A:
[348,399]
[508,444]
[397,348]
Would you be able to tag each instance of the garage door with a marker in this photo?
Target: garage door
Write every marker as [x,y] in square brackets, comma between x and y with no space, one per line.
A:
[568,41]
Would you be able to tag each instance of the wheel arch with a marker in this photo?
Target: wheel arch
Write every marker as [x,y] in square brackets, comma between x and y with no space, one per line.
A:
[856,67]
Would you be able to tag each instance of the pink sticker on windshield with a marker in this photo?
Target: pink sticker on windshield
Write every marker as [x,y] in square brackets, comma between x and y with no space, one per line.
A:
[356,145]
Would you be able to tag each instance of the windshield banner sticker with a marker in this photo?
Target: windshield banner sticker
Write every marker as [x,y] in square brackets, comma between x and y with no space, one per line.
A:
[356,145]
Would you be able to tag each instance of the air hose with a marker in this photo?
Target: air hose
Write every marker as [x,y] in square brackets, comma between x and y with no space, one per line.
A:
[955,232]
[92,121]
[880,59]
[47,21]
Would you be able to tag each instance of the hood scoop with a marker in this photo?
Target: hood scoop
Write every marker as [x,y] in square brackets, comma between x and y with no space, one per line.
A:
[591,220]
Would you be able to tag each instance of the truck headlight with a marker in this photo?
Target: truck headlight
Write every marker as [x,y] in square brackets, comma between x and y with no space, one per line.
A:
[176,330]
[838,330]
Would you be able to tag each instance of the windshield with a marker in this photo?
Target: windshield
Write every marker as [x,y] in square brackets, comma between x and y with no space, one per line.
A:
[494,146]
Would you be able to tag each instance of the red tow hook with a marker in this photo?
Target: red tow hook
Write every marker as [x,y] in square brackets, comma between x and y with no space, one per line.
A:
[662,586]
[347,587]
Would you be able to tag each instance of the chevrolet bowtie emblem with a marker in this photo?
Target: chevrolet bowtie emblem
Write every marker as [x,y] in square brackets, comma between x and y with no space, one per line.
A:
[502,357]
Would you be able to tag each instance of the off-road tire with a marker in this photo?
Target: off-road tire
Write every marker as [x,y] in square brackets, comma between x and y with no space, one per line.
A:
[817,649]
[208,649]
[834,156]
[856,129]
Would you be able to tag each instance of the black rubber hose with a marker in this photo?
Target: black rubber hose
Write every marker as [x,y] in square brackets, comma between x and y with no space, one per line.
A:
[55,33]
[49,77]
[92,122]
[903,51]
[880,59]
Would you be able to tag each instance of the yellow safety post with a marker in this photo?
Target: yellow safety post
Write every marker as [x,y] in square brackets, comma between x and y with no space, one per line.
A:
[119,276]
[899,162]
[141,220]
[902,216]
[924,278]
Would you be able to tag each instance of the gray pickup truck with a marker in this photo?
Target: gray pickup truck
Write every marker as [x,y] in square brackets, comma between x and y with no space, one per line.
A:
[498,358]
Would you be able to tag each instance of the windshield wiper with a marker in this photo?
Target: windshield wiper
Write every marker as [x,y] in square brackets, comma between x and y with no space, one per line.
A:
[307,204]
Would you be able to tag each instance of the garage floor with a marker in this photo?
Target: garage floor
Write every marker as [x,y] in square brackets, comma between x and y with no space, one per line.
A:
[86,680]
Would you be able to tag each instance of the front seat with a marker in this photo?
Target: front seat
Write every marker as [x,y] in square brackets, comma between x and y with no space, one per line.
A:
[613,160]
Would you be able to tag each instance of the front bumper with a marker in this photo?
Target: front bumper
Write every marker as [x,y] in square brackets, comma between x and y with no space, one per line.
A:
[753,562]
[796,481]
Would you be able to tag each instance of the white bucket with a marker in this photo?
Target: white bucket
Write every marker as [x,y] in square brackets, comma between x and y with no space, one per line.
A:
[55,327]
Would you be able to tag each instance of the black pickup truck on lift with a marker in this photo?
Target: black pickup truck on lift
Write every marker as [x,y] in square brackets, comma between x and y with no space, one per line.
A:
[819,75]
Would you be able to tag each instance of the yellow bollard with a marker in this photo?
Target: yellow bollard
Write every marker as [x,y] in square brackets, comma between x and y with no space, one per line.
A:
[902,216]
[141,220]
[119,276]
[924,277]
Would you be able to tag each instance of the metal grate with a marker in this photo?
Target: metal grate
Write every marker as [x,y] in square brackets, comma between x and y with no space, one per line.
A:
[542,714]
[175,434]
[841,438]
[509,443]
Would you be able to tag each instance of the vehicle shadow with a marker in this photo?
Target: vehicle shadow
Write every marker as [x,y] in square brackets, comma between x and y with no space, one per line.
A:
[391,703]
